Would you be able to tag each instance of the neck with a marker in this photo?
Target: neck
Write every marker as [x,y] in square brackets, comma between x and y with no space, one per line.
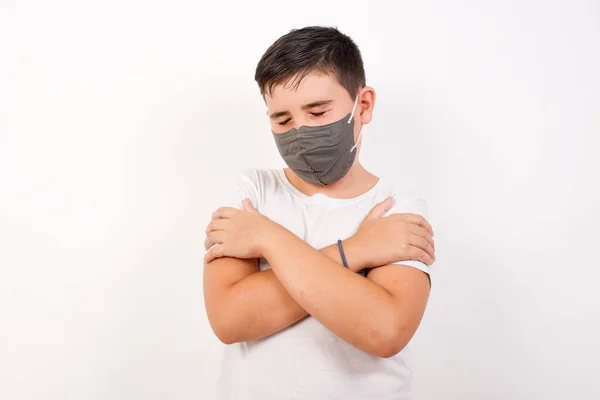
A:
[356,182]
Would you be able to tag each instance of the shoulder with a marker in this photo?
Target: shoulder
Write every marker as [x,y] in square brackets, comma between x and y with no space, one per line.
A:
[256,184]
[413,205]
[257,176]
[404,202]
[407,202]
[258,179]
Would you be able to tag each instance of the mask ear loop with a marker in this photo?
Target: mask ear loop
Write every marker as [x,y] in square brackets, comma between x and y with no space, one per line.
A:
[350,119]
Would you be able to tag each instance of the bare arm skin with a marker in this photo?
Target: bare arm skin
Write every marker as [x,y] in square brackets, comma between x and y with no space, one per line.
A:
[378,315]
[244,303]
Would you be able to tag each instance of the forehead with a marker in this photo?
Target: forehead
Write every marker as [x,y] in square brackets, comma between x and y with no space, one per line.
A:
[313,87]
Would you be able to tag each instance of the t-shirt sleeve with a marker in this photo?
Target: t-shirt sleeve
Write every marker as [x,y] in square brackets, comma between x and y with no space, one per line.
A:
[412,206]
[245,185]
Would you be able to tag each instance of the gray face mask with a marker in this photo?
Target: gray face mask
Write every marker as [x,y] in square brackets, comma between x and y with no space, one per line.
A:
[320,155]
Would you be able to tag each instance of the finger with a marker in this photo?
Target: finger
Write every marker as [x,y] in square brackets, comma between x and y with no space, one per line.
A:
[217,225]
[247,204]
[215,252]
[418,254]
[422,232]
[416,219]
[214,237]
[423,244]
[225,212]
[381,208]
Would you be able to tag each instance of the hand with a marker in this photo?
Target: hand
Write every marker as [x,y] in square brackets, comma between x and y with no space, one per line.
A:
[383,240]
[236,233]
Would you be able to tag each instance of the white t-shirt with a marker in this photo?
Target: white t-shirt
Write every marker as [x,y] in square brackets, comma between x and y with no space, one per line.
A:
[306,361]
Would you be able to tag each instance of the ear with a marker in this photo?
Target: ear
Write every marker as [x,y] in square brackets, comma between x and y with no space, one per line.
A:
[366,104]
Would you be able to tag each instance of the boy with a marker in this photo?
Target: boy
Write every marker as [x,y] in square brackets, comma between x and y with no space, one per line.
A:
[304,323]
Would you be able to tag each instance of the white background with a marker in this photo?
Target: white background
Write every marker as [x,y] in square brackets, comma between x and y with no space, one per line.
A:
[122,122]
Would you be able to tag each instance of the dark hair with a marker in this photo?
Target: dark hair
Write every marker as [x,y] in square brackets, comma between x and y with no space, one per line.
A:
[310,49]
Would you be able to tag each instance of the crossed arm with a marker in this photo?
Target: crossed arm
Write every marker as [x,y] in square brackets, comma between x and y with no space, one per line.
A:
[378,315]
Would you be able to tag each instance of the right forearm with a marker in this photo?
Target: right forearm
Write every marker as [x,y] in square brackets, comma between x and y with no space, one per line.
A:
[255,307]
[258,305]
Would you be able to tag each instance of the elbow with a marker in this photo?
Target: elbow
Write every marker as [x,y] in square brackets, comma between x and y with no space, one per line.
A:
[225,335]
[389,348]
[391,342]
[224,331]
[222,324]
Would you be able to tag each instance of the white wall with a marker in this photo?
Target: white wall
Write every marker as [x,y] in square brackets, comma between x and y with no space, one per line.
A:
[122,121]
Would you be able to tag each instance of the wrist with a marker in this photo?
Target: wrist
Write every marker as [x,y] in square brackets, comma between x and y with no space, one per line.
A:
[270,234]
[354,254]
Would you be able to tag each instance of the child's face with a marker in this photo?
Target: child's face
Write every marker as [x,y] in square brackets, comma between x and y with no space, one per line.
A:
[318,100]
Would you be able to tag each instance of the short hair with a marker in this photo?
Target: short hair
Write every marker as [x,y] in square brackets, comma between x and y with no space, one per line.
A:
[311,49]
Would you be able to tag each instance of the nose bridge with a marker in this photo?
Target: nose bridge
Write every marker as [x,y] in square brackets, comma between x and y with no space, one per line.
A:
[300,120]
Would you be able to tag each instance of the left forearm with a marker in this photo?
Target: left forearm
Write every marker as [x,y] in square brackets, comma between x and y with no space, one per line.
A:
[354,308]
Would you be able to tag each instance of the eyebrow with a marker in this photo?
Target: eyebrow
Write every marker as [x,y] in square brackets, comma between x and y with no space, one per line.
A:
[304,107]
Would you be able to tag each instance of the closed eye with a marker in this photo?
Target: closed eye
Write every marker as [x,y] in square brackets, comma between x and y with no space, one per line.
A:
[314,114]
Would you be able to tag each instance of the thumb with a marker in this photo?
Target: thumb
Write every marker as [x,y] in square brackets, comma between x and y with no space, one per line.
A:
[247,204]
[381,208]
